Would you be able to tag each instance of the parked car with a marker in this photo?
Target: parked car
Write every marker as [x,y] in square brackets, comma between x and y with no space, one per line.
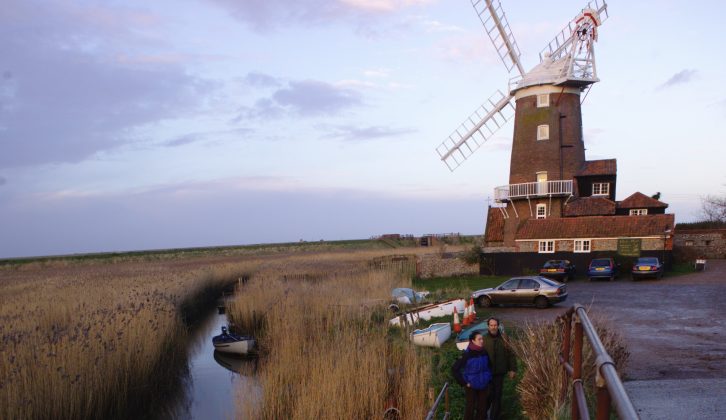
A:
[603,268]
[526,290]
[646,267]
[561,270]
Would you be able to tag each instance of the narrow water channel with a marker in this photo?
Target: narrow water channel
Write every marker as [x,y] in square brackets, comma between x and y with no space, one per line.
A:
[218,384]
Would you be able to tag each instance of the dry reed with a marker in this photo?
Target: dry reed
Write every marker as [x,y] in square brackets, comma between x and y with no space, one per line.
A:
[87,340]
[542,384]
[322,326]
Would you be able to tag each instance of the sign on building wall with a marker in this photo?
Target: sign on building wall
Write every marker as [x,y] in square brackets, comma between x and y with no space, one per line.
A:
[628,247]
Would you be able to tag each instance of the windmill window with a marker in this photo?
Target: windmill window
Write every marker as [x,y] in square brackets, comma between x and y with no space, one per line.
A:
[541,211]
[600,188]
[543,132]
[546,247]
[638,212]
[543,100]
[582,245]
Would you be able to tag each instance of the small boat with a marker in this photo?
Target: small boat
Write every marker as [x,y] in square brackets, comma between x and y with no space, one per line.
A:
[228,342]
[429,311]
[234,363]
[408,296]
[462,340]
[433,336]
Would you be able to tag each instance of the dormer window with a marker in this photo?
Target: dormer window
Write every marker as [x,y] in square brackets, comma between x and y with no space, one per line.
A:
[638,212]
[543,132]
[543,100]
[600,188]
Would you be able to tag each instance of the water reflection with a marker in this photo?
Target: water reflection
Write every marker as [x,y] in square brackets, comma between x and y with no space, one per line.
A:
[218,385]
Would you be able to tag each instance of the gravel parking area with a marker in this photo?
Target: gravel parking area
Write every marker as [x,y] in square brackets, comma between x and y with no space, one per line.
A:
[674,327]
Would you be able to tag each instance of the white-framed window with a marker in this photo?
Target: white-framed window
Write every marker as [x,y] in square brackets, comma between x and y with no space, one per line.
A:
[543,132]
[546,247]
[541,211]
[600,188]
[638,212]
[543,100]
[582,245]
[689,242]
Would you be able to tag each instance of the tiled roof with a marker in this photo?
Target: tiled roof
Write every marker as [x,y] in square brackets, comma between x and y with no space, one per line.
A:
[495,226]
[598,167]
[590,206]
[596,227]
[642,201]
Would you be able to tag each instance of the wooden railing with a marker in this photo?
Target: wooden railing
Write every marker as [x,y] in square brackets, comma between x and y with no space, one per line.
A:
[610,390]
[533,189]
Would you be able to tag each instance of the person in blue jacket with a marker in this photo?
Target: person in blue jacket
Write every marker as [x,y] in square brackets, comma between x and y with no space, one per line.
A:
[473,372]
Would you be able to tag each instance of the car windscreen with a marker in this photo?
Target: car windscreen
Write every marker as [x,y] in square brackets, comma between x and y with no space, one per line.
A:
[547,281]
[553,264]
[600,263]
[652,261]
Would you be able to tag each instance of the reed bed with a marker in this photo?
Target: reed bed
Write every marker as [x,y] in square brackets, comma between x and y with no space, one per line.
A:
[324,340]
[93,340]
[538,346]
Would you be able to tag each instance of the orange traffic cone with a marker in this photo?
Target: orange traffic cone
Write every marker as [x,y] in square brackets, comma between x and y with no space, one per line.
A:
[472,310]
[467,319]
[457,326]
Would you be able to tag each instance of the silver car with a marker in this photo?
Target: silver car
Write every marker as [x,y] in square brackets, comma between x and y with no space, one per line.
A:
[525,290]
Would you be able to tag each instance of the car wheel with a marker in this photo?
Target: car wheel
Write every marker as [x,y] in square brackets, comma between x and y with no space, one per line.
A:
[394,308]
[485,302]
[541,302]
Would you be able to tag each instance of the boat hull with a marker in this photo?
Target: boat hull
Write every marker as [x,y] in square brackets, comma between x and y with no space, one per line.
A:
[429,311]
[433,336]
[235,347]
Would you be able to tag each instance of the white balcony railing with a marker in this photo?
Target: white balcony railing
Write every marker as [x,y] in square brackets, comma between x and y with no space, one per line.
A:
[532,189]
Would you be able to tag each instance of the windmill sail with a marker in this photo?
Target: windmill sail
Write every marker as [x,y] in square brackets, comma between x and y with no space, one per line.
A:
[476,129]
[496,26]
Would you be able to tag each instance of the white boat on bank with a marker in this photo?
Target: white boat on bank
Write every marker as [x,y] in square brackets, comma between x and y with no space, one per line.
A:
[433,336]
[429,311]
[233,343]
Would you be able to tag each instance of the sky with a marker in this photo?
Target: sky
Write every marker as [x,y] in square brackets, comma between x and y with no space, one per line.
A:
[131,125]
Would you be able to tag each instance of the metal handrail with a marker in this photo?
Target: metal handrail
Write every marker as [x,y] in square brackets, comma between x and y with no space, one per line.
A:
[445,395]
[533,189]
[610,387]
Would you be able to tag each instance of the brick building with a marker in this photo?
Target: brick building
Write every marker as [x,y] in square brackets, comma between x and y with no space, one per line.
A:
[558,205]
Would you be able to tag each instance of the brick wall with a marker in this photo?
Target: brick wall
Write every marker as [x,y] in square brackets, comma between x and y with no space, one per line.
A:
[707,243]
[567,245]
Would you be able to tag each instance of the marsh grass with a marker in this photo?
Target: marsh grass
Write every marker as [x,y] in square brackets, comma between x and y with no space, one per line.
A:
[326,349]
[537,347]
[96,340]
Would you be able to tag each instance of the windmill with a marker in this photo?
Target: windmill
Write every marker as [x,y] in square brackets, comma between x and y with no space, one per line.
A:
[567,67]
[547,145]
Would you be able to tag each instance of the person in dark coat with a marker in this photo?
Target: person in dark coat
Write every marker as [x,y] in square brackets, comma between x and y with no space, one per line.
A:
[473,372]
[503,363]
